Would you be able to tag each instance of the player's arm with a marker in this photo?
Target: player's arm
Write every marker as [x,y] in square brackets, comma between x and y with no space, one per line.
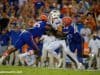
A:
[60,34]
[59,28]
[9,51]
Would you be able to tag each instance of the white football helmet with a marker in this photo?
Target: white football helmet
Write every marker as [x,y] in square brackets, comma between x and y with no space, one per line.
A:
[54,19]
[54,14]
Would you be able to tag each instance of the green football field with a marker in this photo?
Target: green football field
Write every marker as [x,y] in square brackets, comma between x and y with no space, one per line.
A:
[18,70]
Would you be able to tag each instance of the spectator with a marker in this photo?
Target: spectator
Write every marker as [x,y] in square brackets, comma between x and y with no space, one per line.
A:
[4,21]
[4,39]
[39,5]
[79,23]
[46,7]
[98,22]
[94,46]
[90,21]
[85,32]
[21,2]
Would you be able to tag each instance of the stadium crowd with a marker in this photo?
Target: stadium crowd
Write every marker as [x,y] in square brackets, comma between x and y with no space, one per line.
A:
[17,15]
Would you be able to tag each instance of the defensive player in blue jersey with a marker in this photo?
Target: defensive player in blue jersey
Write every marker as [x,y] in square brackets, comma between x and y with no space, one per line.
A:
[75,40]
[26,37]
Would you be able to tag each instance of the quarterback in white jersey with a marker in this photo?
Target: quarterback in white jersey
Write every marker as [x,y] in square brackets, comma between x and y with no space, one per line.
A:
[57,25]
[55,20]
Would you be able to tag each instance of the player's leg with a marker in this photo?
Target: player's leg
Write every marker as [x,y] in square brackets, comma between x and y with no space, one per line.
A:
[6,53]
[16,58]
[2,50]
[74,58]
[51,60]
[51,49]
[72,47]
[68,52]
[64,59]
[60,56]
[44,56]
[79,52]
[11,56]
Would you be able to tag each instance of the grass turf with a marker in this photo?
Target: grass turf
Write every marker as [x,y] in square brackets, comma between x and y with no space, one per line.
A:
[18,70]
